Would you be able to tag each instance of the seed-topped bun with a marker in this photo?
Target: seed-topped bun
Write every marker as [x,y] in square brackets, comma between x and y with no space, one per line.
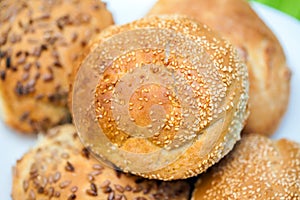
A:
[59,167]
[162,97]
[257,168]
[259,48]
[39,41]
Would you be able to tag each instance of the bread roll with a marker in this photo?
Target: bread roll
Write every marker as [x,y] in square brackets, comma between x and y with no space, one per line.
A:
[269,75]
[39,41]
[162,97]
[257,168]
[59,167]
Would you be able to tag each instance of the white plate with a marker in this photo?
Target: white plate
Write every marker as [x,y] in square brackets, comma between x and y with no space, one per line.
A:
[13,145]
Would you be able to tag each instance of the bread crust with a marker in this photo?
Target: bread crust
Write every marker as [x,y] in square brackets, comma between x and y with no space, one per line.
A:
[269,75]
[59,167]
[257,168]
[39,42]
[216,135]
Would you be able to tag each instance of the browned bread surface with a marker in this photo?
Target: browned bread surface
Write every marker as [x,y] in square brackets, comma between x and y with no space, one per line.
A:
[39,42]
[269,75]
[257,168]
[216,79]
[59,167]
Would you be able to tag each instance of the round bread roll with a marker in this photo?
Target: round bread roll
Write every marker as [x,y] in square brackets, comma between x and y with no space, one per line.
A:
[39,41]
[269,75]
[257,168]
[162,97]
[59,167]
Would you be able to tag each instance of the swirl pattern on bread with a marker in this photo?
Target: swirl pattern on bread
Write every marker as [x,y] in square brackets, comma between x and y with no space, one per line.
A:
[162,97]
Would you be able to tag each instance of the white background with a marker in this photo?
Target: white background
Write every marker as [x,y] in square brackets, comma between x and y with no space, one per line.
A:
[287,29]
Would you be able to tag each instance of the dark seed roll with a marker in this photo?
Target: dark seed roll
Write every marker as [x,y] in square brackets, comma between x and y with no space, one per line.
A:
[39,41]
[59,167]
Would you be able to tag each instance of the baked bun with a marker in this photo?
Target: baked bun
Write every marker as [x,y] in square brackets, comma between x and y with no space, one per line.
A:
[59,167]
[39,41]
[162,97]
[257,168]
[269,75]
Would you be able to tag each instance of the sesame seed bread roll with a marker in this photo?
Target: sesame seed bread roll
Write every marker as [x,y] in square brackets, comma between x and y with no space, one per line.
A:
[59,167]
[257,168]
[259,48]
[162,97]
[39,42]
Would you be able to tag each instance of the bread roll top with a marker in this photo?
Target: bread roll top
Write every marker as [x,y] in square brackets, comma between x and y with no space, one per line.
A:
[257,168]
[164,97]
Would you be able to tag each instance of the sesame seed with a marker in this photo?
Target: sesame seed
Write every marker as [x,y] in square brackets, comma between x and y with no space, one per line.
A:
[57,64]
[118,173]
[65,155]
[40,190]
[143,198]
[74,189]
[32,195]
[105,184]
[56,177]
[24,116]
[47,77]
[128,188]
[119,188]
[2,75]
[72,197]
[137,189]
[21,60]
[95,173]
[18,53]
[25,185]
[50,192]
[64,184]
[74,37]
[107,189]
[91,178]
[36,51]
[85,153]
[69,167]
[91,192]
[8,62]
[25,76]
[57,194]
[93,187]
[111,196]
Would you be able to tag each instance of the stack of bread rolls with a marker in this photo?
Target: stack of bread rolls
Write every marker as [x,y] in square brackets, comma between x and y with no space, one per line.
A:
[164,97]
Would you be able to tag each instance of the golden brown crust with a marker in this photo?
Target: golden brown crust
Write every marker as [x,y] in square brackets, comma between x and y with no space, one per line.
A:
[218,129]
[257,168]
[39,41]
[59,167]
[268,73]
